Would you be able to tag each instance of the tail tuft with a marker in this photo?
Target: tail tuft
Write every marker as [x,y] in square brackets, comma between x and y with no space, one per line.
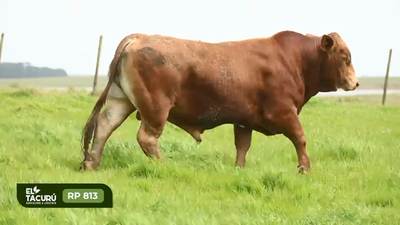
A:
[91,123]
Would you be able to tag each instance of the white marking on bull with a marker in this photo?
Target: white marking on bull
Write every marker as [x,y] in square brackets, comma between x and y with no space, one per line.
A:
[116,92]
[126,86]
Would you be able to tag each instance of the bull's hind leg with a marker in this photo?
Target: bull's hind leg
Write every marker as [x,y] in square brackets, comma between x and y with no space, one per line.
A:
[151,127]
[146,92]
[118,108]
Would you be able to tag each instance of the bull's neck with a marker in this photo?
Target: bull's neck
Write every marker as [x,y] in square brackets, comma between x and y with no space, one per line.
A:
[308,57]
[311,68]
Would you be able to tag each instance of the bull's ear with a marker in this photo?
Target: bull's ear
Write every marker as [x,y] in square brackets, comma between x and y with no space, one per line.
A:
[327,43]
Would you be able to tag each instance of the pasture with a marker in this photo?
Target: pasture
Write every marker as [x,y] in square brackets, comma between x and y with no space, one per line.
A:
[353,146]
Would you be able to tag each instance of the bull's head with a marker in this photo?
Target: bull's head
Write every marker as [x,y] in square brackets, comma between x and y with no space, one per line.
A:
[337,68]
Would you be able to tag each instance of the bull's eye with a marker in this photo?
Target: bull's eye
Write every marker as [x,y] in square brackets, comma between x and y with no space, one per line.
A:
[348,62]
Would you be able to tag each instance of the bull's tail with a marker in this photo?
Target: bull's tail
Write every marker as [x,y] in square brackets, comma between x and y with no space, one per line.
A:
[91,123]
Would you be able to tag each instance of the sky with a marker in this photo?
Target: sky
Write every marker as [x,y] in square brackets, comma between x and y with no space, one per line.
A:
[65,33]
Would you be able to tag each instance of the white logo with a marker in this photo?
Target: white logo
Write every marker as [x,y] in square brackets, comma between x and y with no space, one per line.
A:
[33,198]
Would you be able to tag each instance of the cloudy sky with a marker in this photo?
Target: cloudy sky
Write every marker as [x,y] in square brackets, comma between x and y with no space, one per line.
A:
[64,33]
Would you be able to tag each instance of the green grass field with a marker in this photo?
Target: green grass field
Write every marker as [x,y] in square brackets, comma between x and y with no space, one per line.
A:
[87,81]
[71,81]
[391,99]
[353,146]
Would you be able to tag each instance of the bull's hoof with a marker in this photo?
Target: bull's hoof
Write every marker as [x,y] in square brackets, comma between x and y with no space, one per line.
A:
[87,166]
[304,170]
[241,165]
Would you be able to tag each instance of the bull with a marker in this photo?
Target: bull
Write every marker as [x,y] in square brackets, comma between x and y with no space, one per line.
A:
[258,84]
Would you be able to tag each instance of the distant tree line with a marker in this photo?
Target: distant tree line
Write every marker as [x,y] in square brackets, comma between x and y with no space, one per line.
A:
[25,70]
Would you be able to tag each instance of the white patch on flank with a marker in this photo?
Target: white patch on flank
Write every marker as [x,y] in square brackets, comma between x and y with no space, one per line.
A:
[124,82]
[126,87]
[116,92]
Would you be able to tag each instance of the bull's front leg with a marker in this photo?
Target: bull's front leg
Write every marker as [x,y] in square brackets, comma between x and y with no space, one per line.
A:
[242,143]
[293,130]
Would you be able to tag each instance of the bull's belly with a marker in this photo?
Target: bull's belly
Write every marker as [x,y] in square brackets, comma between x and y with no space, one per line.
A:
[200,119]
[212,116]
[197,110]
[197,123]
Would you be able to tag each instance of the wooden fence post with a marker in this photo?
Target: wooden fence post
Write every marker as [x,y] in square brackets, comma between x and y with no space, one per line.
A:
[1,45]
[97,65]
[386,78]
